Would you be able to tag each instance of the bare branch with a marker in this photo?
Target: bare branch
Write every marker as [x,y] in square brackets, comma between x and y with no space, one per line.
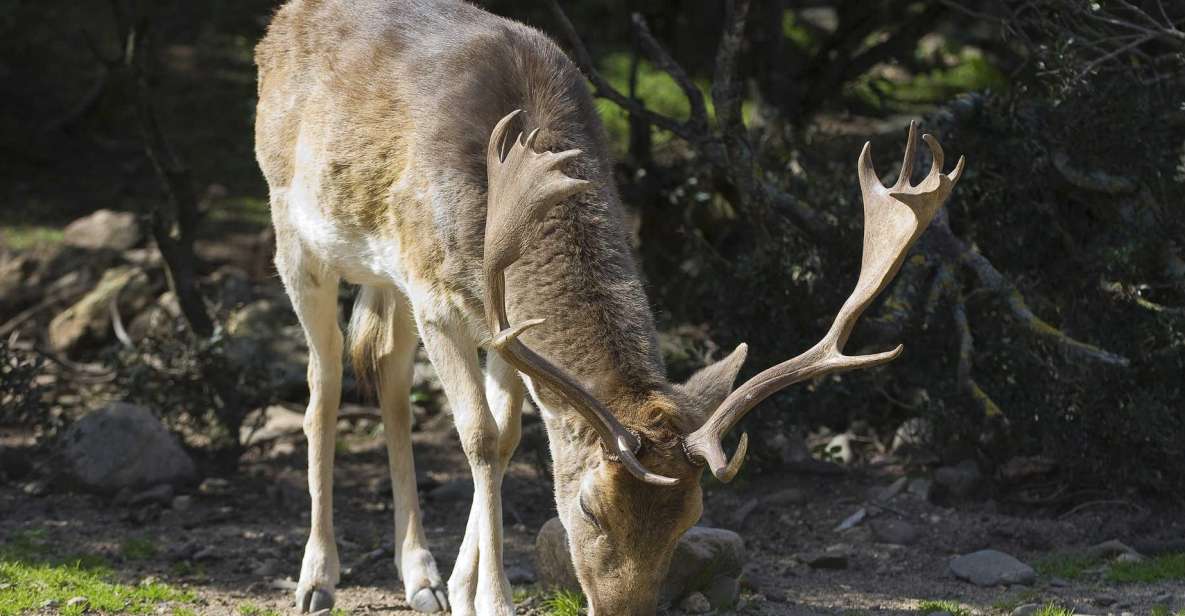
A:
[956,249]
[663,60]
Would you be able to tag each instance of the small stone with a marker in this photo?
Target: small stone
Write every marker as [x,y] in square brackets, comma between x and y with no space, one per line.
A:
[695,603]
[49,604]
[961,479]
[455,490]
[183,502]
[1058,582]
[160,494]
[825,560]
[1105,600]
[920,488]
[124,446]
[38,487]
[1129,557]
[1028,609]
[267,568]
[992,568]
[520,575]
[214,486]
[894,532]
[788,496]
[77,601]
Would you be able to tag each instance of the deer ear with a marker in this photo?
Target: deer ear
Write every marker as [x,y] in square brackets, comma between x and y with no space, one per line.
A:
[708,387]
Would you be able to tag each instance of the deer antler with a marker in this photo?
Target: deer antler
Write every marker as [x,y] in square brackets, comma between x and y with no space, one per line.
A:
[893,220]
[523,186]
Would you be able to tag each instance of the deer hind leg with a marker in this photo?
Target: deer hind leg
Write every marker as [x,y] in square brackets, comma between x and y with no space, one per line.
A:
[313,290]
[504,394]
[453,352]
[382,331]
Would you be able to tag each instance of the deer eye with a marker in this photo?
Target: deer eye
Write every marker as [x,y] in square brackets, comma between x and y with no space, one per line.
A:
[588,514]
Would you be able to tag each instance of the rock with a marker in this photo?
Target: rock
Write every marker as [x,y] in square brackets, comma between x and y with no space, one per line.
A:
[894,531]
[37,487]
[89,319]
[723,592]
[455,490]
[786,497]
[702,557]
[913,433]
[182,503]
[123,446]
[214,486]
[77,602]
[520,575]
[961,479]
[992,568]
[1108,549]
[919,488]
[160,494]
[827,559]
[104,229]
[277,421]
[839,448]
[1021,468]
[1028,609]
[695,603]
[267,568]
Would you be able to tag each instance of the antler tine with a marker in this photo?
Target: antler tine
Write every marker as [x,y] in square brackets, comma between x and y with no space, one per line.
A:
[893,220]
[523,186]
[911,154]
[935,153]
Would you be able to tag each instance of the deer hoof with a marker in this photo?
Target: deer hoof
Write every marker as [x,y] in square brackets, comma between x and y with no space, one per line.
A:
[429,600]
[313,600]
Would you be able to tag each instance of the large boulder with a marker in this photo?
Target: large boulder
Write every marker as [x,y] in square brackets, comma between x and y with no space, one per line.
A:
[123,446]
[104,229]
[706,560]
[89,319]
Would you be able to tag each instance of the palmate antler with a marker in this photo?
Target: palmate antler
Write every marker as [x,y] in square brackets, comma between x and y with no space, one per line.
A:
[893,220]
[523,186]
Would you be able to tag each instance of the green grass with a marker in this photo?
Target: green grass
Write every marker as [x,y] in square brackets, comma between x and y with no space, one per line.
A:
[183,611]
[1053,609]
[33,577]
[23,237]
[929,607]
[564,603]
[1159,569]
[1160,610]
[138,548]
[250,609]
[1068,565]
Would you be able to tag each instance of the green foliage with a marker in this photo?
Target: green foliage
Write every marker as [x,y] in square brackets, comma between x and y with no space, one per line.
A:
[1068,566]
[1168,567]
[30,576]
[564,603]
[1053,609]
[1160,610]
[929,607]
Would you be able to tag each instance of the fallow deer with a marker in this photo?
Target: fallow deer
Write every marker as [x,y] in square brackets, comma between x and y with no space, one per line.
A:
[384,130]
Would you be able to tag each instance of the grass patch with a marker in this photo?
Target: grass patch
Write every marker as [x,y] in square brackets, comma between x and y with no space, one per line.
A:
[138,548]
[1053,609]
[930,607]
[1160,610]
[23,237]
[250,609]
[564,603]
[32,577]
[1159,569]
[1069,566]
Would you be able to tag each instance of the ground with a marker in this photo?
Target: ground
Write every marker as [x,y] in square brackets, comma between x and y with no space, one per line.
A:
[235,546]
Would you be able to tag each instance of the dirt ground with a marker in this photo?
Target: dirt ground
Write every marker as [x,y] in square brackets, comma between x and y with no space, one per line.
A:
[239,541]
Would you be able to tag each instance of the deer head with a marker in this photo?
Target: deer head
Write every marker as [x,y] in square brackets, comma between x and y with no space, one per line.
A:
[626,503]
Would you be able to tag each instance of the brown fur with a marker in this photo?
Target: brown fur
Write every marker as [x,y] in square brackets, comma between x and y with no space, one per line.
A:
[399,98]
